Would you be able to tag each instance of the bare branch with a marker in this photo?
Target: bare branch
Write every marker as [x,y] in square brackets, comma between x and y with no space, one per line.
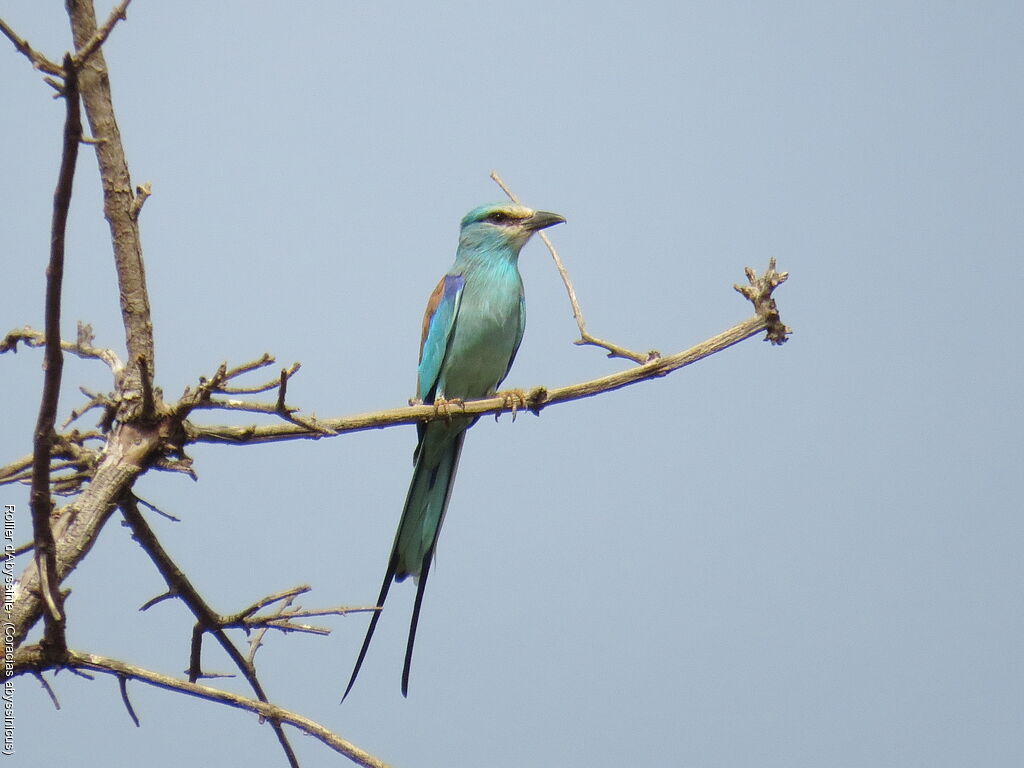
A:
[285,595]
[168,595]
[253,365]
[128,451]
[182,465]
[132,444]
[614,350]
[275,383]
[283,618]
[119,13]
[282,390]
[148,401]
[133,447]
[166,515]
[256,642]
[39,61]
[68,446]
[535,399]
[118,199]
[46,687]
[759,291]
[16,471]
[248,406]
[206,618]
[83,349]
[194,398]
[201,398]
[122,683]
[41,502]
[142,194]
[31,659]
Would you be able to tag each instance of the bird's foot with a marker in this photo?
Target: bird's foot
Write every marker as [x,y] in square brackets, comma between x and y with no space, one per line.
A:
[443,406]
[514,400]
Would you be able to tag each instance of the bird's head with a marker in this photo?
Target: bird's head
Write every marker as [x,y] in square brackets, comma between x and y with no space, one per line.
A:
[503,225]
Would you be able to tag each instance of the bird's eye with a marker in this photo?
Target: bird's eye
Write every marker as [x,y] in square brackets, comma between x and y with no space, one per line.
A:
[498,217]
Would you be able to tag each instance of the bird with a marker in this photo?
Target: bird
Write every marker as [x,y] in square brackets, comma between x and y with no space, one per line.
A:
[472,329]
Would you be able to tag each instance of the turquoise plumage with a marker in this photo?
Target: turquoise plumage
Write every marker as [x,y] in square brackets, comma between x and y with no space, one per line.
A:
[471,331]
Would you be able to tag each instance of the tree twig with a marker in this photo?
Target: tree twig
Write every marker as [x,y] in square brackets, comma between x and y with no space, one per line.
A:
[69,446]
[536,398]
[81,348]
[202,398]
[275,383]
[154,508]
[39,61]
[46,687]
[142,194]
[206,618]
[118,200]
[122,683]
[119,13]
[263,602]
[759,291]
[40,500]
[586,338]
[31,659]
[131,443]
[96,400]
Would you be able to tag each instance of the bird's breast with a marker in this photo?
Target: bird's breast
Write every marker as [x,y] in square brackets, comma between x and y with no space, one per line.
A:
[484,338]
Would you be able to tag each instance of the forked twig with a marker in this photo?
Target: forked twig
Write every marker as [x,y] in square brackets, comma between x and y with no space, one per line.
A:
[82,348]
[535,399]
[39,61]
[206,617]
[586,338]
[119,13]
[31,659]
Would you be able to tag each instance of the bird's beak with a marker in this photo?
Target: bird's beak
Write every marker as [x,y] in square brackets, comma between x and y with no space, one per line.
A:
[542,220]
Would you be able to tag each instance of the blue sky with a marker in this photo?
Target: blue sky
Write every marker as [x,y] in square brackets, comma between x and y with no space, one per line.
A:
[795,556]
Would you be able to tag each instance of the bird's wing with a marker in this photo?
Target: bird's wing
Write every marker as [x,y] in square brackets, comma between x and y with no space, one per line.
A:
[438,321]
[519,336]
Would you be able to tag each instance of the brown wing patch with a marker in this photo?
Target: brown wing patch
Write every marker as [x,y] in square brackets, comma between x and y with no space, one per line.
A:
[432,304]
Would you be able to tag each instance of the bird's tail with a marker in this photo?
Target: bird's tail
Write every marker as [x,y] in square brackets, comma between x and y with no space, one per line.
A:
[437,459]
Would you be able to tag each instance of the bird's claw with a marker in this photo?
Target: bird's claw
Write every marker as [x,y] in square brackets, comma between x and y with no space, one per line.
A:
[444,407]
[514,399]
